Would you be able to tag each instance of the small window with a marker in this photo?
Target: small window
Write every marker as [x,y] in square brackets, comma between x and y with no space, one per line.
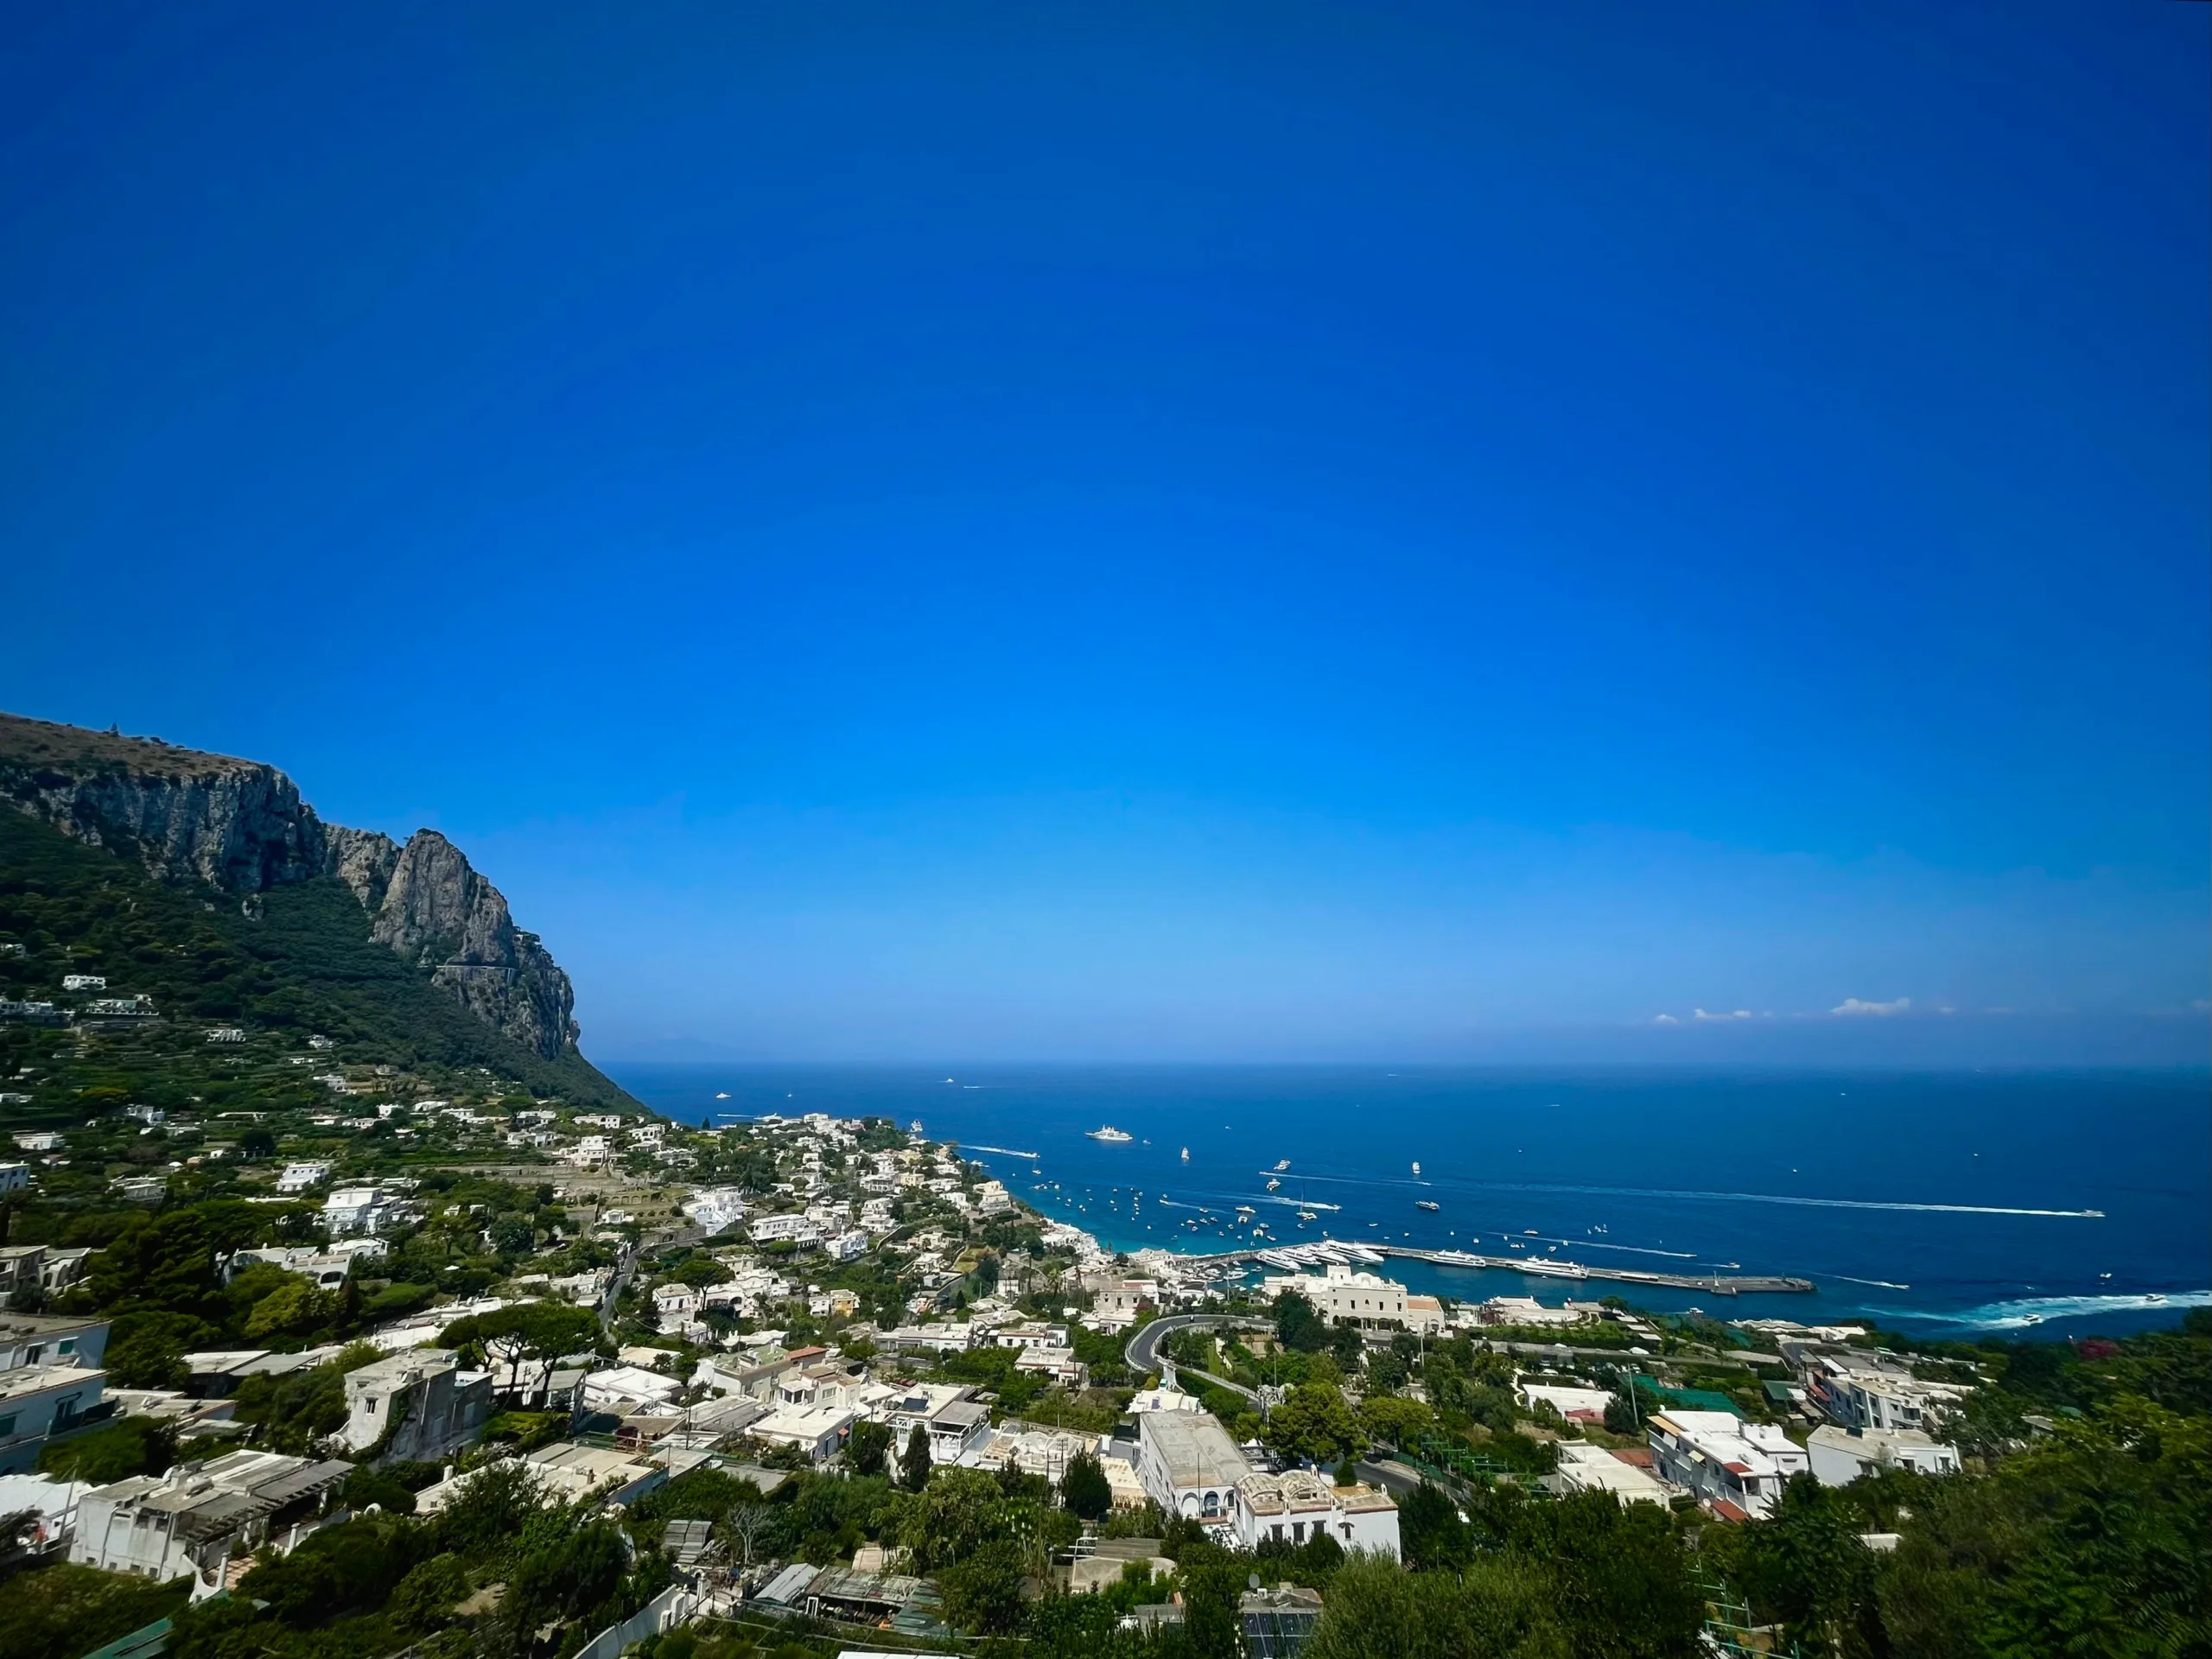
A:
[68,1345]
[8,1424]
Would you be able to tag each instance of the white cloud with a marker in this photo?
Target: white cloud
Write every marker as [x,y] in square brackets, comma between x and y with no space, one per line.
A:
[1851,1005]
[1664,1020]
[1740,1013]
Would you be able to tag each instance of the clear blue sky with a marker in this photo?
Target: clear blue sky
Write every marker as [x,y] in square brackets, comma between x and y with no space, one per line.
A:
[1165,531]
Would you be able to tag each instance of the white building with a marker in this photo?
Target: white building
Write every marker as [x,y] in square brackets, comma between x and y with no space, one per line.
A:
[1842,1455]
[955,1421]
[40,1139]
[419,1405]
[366,1210]
[1860,1393]
[298,1178]
[1030,1335]
[1586,1468]
[196,1518]
[818,1431]
[1057,1366]
[623,1389]
[1190,1466]
[714,1209]
[1525,1311]
[1568,1400]
[567,1473]
[1298,1504]
[1343,1293]
[39,1401]
[1735,1468]
[766,1229]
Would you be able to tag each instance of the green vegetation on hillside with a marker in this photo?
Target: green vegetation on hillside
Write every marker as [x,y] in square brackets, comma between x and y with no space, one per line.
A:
[294,960]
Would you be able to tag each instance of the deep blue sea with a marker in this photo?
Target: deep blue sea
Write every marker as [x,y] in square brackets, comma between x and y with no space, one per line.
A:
[2029,1204]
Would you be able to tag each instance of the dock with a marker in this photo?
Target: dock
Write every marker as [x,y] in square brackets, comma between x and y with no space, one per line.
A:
[1751,1284]
[1712,1284]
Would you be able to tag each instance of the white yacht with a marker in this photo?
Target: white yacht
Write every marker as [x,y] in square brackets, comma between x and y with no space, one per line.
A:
[1108,1132]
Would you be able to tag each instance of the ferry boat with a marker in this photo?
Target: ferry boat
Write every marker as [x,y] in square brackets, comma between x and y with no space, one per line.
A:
[1553,1269]
[1108,1132]
[1429,1204]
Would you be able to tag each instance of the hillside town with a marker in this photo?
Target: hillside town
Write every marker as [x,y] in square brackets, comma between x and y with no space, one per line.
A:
[233,1330]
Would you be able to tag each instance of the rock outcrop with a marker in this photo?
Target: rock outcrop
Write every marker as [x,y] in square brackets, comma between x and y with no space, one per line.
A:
[241,827]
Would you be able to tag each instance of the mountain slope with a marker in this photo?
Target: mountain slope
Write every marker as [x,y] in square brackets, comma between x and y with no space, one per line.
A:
[220,893]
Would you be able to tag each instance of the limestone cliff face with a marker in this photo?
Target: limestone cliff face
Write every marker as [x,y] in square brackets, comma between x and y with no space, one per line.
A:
[439,913]
[238,826]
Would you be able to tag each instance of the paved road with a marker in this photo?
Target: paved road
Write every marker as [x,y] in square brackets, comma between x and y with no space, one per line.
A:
[1143,1351]
[618,1284]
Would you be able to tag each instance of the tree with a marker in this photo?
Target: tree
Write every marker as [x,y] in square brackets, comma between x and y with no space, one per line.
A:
[1496,1609]
[571,1576]
[1430,1530]
[914,1466]
[293,1309]
[869,1448]
[745,1521]
[1085,1492]
[425,1598]
[983,1593]
[132,1446]
[1385,1417]
[1314,1423]
[1297,1326]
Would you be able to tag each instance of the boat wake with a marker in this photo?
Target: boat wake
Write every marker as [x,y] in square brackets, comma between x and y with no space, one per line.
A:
[2036,1310]
[1726,1197]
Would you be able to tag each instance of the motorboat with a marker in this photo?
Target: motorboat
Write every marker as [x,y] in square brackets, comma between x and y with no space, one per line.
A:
[1429,1204]
[1281,1164]
[1274,1186]
[1187,1155]
[1107,1133]
[1416,1166]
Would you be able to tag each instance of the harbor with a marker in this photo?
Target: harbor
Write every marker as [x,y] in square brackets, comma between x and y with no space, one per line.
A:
[1293,1257]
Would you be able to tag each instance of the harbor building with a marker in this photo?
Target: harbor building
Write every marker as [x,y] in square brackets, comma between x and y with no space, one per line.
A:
[1340,1292]
[1735,1469]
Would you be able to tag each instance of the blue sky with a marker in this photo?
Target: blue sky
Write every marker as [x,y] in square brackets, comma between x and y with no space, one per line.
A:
[1192,532]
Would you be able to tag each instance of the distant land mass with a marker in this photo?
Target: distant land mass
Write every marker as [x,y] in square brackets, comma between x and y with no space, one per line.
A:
[237,901]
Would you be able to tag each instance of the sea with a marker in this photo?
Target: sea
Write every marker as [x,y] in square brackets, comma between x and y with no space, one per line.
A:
[2043,1204]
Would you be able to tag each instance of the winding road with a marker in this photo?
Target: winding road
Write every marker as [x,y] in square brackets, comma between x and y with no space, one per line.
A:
[1143,1351]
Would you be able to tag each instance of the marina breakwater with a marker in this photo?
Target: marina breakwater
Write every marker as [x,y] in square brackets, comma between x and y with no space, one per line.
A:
[1710,1284]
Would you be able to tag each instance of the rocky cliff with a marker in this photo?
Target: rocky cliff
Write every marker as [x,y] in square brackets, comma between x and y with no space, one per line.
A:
[241,827]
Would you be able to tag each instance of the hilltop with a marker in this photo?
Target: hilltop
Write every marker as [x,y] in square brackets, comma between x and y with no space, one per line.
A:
[205,886]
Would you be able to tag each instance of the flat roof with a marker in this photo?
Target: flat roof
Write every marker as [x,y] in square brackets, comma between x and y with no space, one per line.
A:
[1194,1448]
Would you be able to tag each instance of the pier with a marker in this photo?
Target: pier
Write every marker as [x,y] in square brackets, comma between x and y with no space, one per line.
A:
[1712,1284]
[1752,1284]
